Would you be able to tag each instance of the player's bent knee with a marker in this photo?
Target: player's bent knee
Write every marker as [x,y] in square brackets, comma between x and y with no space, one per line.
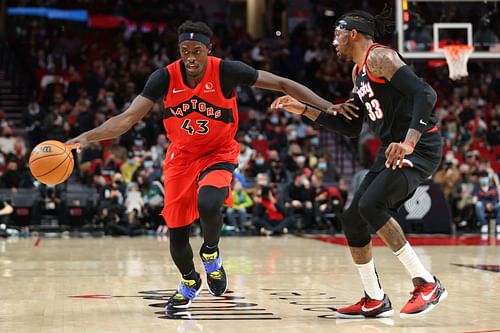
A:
[355,229]
[211,200]
[372,210]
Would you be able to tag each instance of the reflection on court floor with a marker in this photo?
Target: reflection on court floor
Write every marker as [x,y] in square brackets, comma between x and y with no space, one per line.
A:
[282,284]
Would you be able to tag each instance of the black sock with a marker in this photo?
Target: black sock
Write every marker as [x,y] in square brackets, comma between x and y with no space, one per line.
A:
[193,275]
[209,249]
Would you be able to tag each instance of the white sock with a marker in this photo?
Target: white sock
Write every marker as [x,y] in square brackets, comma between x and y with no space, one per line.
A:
[370,281]
[412,263]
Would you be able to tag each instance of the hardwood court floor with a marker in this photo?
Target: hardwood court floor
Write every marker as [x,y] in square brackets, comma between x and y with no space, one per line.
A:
[286,284]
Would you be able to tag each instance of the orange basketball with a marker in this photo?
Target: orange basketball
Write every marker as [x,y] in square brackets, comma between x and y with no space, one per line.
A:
[51,162]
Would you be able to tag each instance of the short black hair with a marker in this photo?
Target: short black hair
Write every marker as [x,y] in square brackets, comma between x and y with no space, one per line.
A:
[382,22]
[196,27]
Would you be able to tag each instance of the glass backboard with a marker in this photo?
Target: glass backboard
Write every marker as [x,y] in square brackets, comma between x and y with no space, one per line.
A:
[425,26]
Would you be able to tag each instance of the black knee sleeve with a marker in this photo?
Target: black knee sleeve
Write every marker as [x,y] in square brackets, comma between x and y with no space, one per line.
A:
[355,228]
[374,211]
[210,200]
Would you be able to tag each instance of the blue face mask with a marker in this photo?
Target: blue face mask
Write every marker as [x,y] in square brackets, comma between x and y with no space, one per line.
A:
[315,141]
[274,120]
[259,161]
[484,181]
[322,165]
[130,161]
[148,164]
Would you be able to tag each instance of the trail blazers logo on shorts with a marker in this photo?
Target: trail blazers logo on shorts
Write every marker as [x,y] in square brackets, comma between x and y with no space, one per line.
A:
[196,104]
[419,204]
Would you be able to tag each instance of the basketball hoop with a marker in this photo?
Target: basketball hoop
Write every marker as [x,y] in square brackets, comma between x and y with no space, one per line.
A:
[457,56]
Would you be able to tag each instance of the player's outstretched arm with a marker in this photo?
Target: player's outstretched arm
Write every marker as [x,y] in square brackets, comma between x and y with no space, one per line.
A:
[327,120]
[267,80]
[386,63]
[116,125]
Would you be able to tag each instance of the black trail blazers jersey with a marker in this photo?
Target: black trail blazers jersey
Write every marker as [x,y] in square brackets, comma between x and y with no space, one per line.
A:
[389,113]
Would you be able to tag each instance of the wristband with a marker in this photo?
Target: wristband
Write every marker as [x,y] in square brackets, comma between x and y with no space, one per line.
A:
[305,109]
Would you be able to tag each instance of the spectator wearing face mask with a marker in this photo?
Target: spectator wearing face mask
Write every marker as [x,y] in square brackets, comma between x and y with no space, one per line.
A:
[295,159]
[329,173]
[151,172]
[486,198]
[129,167]
[259,165]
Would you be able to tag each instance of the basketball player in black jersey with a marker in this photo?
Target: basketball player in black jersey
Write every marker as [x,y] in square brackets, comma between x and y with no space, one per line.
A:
[397,105]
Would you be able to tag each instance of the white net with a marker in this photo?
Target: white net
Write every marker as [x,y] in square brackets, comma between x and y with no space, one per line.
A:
[457,57]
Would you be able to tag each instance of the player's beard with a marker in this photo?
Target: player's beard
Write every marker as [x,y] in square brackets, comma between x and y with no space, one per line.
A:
[342,56]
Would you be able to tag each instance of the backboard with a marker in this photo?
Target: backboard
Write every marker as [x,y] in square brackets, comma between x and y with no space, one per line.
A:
[425,26]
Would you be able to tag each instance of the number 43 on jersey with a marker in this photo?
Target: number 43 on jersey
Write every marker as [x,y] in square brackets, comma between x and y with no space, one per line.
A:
[200,126]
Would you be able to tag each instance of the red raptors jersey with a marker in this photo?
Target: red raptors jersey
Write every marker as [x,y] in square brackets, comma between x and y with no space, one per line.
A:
[200,121]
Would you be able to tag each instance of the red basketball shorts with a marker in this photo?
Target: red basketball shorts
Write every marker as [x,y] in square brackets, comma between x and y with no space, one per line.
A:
[182,185]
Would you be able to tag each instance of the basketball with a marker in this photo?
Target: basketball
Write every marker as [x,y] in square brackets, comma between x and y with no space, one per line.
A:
[51,162]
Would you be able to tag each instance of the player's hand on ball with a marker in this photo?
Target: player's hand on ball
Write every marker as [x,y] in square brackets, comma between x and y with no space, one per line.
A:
[347,109]
[77,143]
[288,103]
[395,154]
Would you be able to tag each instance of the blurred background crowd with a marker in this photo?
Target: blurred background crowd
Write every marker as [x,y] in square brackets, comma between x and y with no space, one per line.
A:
[292,175]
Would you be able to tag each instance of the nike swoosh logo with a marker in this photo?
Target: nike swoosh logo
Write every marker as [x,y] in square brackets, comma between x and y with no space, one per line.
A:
[364,309]
[422,122]
[429,295]
[175,91]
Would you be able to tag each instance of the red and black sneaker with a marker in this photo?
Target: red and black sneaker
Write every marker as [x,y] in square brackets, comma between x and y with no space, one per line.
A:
[367,308]
[424,298]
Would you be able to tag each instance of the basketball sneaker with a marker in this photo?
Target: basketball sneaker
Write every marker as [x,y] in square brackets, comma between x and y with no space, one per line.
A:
[185,294]
[367,308]
[216,276]
[424,298]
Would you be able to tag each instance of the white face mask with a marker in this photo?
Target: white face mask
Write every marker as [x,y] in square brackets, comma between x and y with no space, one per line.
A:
[300,159]
[484,182]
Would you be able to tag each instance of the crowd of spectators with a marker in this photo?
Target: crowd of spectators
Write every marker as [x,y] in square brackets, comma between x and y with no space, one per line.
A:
[286,179]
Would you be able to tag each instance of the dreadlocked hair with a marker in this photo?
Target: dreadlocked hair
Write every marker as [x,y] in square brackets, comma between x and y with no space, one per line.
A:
[196,27]
[382,22]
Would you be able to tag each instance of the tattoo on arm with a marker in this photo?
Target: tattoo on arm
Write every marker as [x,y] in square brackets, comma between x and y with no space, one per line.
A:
[383,62]
[413,136]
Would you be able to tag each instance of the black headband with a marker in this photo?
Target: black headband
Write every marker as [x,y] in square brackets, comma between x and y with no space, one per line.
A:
[196,36]
[345,23]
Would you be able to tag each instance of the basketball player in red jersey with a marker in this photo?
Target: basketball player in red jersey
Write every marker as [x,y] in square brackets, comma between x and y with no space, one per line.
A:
[201,120]
[397,105]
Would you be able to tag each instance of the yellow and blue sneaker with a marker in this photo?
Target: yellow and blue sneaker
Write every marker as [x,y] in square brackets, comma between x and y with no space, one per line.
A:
[185,294]
[216,276]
